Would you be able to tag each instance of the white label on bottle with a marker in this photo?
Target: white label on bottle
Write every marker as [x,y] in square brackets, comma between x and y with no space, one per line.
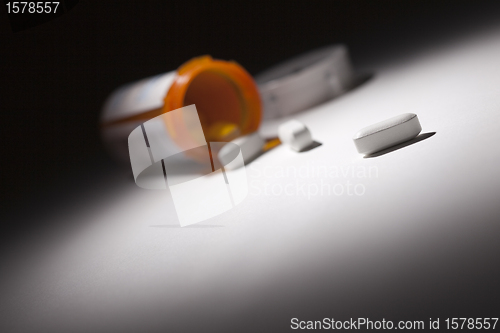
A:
[138,97]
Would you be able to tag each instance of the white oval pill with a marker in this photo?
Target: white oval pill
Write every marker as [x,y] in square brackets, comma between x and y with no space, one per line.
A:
[295,134]
[387,133]
[250,145]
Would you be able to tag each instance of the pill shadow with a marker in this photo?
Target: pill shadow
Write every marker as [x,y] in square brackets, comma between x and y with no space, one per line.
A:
[171,226]
[247,162]
[276,142]
[313,145]
[271,143]
[419,138]
[361,79]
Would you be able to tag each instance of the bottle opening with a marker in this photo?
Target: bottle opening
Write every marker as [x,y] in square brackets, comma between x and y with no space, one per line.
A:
[219,103]
[225,95]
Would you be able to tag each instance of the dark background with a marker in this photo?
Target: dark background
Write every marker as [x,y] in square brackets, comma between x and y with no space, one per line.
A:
[56,76]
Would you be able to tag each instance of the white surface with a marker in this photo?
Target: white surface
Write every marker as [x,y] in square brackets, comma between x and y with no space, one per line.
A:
[126,267]
[201,198]
[295,134]
[387,133]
